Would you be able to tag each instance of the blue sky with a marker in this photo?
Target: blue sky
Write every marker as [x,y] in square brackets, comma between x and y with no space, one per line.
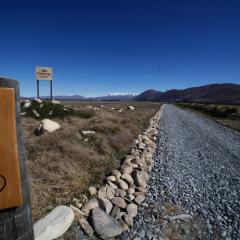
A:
[101,46]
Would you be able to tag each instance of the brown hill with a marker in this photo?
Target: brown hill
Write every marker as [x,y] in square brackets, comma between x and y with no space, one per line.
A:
[213,93]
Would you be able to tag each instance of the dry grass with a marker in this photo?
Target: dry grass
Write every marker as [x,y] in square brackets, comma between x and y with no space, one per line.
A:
[63,164]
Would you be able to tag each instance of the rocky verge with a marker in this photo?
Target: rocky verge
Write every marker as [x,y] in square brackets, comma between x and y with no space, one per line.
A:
[112,207]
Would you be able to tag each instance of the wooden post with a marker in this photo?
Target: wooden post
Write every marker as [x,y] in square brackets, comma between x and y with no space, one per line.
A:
[51,96]
[16,222]
[38,89]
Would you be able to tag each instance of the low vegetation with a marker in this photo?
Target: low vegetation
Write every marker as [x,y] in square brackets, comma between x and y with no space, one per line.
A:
[228,115]
[47,109]
[63,164]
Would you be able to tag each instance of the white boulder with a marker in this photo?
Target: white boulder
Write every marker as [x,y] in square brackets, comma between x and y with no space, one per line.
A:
[55,224]
[49,125]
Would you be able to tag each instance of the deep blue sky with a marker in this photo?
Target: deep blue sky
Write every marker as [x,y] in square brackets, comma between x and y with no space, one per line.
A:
[101,46]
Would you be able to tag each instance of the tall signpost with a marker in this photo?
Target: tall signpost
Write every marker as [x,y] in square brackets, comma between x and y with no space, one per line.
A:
[15,206]
[44,74]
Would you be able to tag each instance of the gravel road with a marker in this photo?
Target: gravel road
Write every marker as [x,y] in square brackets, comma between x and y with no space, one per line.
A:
[194,188]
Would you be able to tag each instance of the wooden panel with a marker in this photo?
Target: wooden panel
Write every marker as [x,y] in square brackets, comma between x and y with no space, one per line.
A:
[10,183]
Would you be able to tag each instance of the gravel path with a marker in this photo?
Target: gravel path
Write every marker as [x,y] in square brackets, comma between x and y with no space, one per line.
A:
[195,185]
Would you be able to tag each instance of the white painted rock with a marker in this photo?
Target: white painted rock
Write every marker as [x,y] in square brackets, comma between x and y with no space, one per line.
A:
[131,108]
[27,104]
[55,102]
[88,133]
[55,224]
[38,100]
[50,125]
[35,113]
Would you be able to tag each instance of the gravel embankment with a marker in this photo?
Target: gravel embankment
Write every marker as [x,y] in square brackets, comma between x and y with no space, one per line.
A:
[196,173]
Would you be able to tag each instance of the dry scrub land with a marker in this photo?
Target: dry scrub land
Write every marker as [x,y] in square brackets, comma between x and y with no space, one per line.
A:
[63,164]
[228,115]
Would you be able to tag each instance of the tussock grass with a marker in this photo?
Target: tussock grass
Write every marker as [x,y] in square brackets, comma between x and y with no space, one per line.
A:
[63,164]
[228,115]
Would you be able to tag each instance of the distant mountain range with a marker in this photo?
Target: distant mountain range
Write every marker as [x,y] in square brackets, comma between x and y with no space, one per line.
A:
[213,93]
[109,97]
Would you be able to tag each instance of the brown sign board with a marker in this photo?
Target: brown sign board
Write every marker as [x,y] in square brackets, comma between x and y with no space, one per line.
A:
[44,73]
[10,180]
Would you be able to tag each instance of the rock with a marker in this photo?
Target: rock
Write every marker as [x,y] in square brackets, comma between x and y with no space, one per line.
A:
[102,192]
[91,204]
[38,100]
[141,146]
[106,205]
[23,113]
[92,191]
[116,173]
[140,178]
[139,194]
[88,133]
[39,131]
[128,220]
[27,104]
[112,178]
[131,190]
[115,211]
[86,227]
[50,113]
[132,210]
[105,225]
[127,177]
[123,225]
[36,114]
[110,192]
[78,213]
[55,102]
[120,193]
[181,217]
[55,224]
[120,202]
[122,184]
[49,125]
[131,108]
[127,168]
[139,199]
[112,185]
[89,107]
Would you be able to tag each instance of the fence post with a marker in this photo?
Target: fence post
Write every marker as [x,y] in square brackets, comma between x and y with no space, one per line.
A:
[16,223]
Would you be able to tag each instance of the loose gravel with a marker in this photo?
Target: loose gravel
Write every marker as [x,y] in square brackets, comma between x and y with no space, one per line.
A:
[196,173]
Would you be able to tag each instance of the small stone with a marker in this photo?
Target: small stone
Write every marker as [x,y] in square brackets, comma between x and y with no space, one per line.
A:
[88,133]
[92,191]
[115,211]
[127,168]
[112,185]
[140,178]
[116,173]
[35,113]
[110,192]
[132,210]
[122,184]
[124,226]
[120,202]
[120,193]
[91,204]
[102,192]
[139,199]
[131,190]
[112,178]
[128,220]
[131,108]
[106,205]
[127,177]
